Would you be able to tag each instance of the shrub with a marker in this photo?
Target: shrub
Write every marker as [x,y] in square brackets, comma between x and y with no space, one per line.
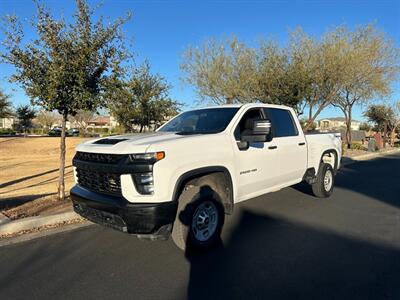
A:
[357,146]
[7,131]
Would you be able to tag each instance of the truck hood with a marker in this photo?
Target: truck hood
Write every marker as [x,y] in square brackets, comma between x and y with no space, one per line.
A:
[128,143]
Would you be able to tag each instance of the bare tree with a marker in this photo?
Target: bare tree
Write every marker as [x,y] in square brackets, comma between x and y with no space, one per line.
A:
[46,119]
[82,119]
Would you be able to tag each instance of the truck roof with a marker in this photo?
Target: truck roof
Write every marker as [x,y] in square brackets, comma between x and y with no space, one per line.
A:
[245,105]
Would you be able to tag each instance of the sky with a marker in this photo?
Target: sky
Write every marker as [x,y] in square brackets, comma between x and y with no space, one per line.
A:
[160,31]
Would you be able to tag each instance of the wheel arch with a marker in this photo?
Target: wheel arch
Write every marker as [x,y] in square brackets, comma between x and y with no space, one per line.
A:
[327,153]
[225,180]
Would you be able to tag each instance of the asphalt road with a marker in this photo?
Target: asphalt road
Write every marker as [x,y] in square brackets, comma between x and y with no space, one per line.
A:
[285,245]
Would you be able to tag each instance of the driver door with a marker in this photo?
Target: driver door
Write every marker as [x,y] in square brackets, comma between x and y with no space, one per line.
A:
[257,166]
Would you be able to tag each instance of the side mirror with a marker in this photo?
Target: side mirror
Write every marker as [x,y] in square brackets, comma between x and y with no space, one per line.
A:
[261,127]
[260,132]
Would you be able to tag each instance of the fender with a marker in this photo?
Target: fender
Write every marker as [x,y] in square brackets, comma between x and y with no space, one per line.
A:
[192,174]
[336,157]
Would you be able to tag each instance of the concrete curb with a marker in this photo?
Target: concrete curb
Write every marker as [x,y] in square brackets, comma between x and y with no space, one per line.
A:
[44,233]
[36,222]
[351,160]
[4,219]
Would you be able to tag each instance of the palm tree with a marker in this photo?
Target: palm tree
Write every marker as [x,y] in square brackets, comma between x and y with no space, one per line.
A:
[5,105]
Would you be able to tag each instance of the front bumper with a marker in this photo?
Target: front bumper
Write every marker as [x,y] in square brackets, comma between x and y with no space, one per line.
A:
[152,219]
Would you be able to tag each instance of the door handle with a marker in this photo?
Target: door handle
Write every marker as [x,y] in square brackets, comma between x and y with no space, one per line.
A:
[272,147]
[302,144]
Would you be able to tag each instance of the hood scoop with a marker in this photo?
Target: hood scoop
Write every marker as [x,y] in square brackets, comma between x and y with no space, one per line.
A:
[107,141]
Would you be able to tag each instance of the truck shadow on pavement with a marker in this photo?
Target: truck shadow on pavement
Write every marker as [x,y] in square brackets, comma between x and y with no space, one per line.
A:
[378,179]
[269,258]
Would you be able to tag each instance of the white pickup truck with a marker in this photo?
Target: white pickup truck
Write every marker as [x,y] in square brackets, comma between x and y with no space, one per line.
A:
[184,178]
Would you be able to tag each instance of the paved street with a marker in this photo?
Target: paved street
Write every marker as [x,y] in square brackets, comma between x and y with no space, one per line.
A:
[285,245]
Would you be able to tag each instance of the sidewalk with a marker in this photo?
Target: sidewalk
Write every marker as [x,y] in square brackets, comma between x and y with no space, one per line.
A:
[11,228]
[350,160]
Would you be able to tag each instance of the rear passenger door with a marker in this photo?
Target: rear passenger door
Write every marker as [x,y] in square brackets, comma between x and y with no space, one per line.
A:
[291,145]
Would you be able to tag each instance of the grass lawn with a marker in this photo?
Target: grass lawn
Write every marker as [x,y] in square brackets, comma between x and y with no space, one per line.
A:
[29,175]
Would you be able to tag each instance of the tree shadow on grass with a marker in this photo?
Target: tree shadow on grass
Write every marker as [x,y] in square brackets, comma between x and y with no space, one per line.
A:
[44,182]
[11,202]
[3,185]
[270,258]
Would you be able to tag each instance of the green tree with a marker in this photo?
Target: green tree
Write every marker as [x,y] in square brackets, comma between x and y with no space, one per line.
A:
[324,65]
[5,105]
[282,76]
[365,126]
[25,115]
[370,66]
[382,116]
[222,71]
[65,67]
[142,100]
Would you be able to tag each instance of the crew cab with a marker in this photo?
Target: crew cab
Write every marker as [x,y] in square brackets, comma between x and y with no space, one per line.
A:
[183,179]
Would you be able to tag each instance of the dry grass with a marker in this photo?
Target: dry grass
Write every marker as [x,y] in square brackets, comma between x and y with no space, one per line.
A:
[29,174]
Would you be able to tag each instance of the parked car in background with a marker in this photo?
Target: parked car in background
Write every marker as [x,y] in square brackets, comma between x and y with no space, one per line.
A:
[73,132]
[56,131]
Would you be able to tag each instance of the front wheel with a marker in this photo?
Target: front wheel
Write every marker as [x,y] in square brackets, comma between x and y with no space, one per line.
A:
[323,186]
[199,219]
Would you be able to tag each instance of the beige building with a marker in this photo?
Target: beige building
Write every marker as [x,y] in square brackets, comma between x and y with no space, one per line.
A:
[103,122]
[337,123]
[7,123]
[108,122]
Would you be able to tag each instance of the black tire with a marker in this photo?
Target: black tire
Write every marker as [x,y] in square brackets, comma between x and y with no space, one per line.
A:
[319,188]
[183,233]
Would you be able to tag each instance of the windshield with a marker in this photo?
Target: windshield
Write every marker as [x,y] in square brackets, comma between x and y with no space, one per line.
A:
[201,121]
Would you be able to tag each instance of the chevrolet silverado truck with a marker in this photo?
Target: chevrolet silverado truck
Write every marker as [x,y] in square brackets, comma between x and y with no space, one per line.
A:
[182,179]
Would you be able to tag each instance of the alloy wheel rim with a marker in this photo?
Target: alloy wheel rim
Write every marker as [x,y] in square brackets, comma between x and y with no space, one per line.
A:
[328,180]
[205,221]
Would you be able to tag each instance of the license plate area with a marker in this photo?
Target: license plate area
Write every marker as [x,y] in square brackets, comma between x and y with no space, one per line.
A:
[101,217]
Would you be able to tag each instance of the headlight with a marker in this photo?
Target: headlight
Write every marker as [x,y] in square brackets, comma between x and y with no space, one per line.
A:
[144,183]
[151,156]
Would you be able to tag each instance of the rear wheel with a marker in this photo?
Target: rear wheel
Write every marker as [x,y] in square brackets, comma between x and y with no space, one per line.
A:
[199,219]
[323,187]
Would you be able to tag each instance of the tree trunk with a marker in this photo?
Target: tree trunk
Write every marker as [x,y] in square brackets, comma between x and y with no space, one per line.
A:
[310,113]
[310,121]
[229,100]
[348,128]
[384,135]
[61,183]
[141,127]
[392,136]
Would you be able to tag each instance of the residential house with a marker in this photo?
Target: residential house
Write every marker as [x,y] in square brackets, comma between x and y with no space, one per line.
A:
[337,123]
[7,123]
[108,122]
